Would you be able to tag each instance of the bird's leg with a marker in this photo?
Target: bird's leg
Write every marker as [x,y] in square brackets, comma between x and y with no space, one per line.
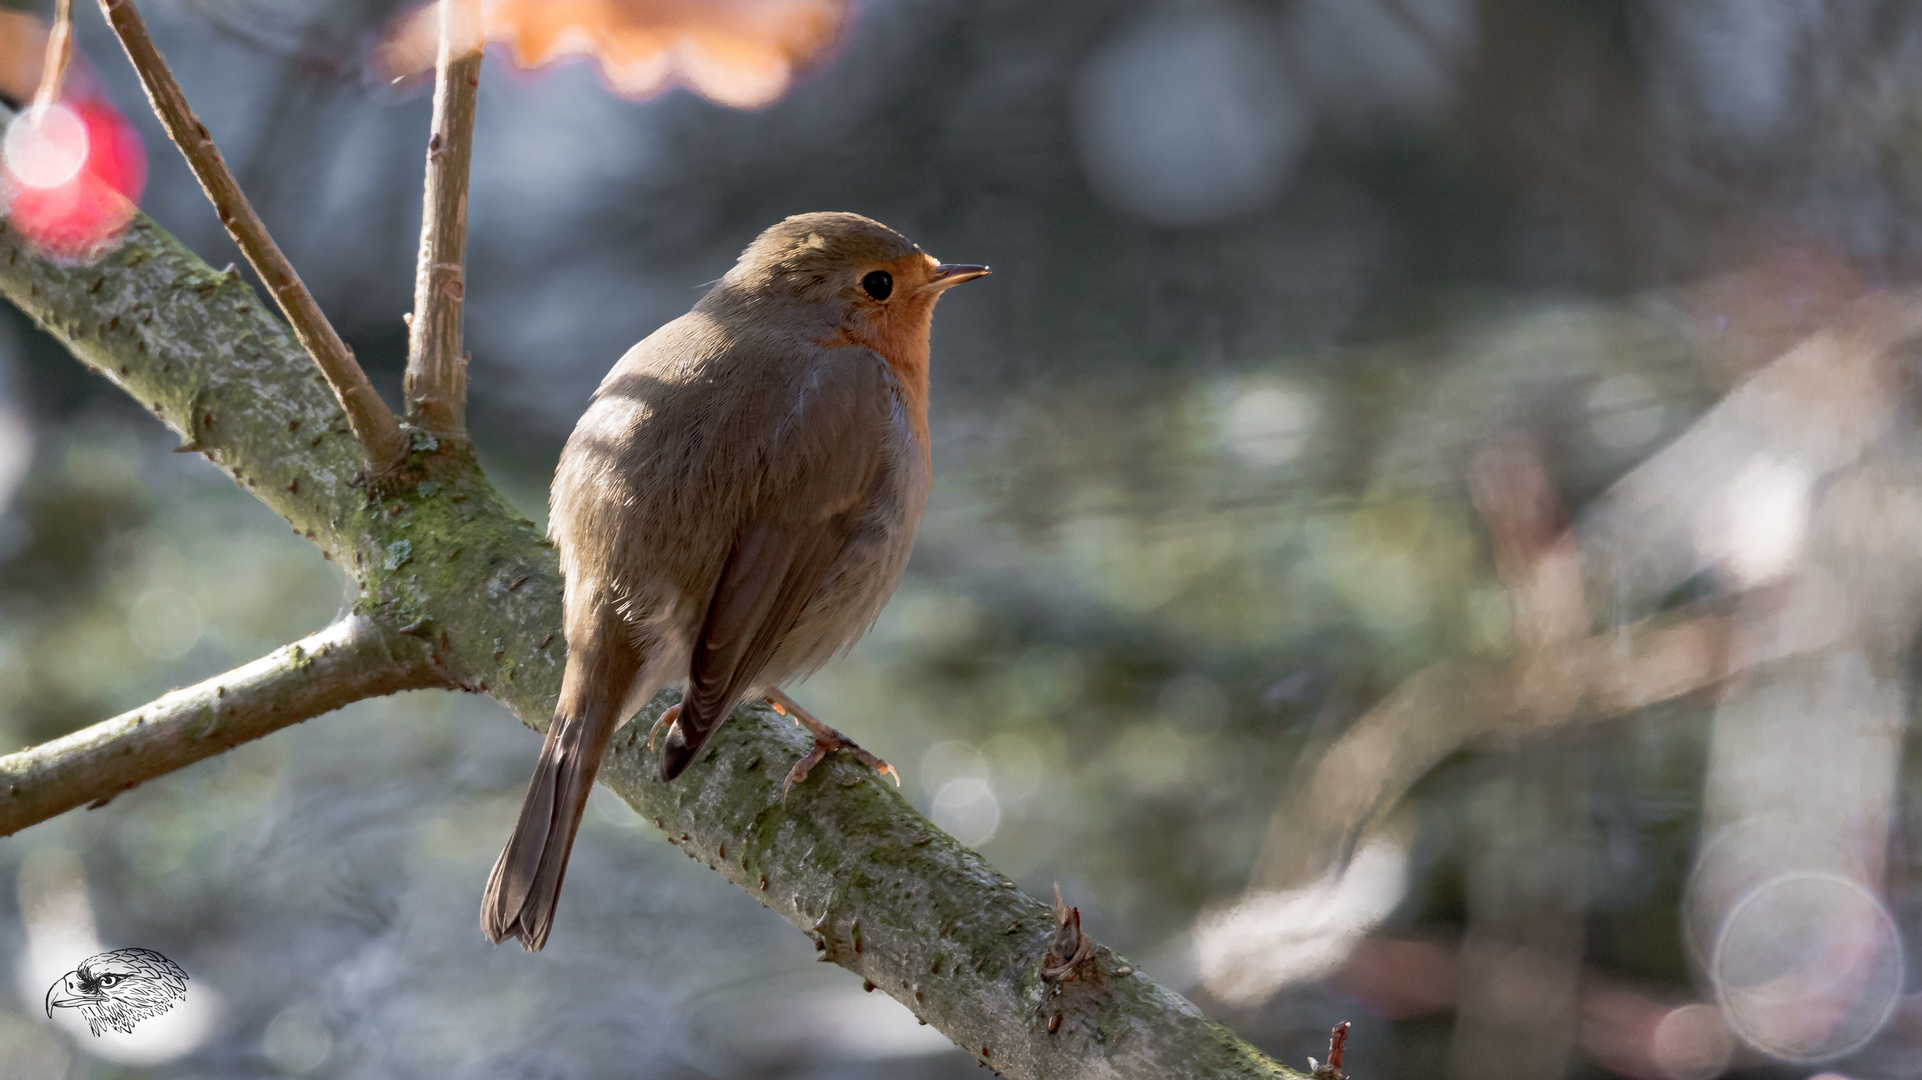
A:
[826,741]
[668,716]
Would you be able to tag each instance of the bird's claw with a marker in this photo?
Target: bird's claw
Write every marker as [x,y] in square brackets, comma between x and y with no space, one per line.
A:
[668,716]
[827,741]
[801,769]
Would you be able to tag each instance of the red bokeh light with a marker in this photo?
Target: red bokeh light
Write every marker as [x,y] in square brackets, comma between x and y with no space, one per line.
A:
[73,209]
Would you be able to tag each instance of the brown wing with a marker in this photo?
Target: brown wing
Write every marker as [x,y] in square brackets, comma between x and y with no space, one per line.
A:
[820,473]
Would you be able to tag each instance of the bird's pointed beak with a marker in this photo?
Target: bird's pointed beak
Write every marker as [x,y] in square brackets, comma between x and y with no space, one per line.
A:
[58,1000]
[948,275]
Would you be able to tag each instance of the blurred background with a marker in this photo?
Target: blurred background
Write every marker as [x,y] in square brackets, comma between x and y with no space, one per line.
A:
[1244,608]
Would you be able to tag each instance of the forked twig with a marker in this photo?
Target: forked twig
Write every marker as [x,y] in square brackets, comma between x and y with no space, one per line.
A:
[436,385]
[372,423]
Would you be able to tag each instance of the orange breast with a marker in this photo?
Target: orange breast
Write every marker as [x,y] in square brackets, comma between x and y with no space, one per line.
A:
[901,337]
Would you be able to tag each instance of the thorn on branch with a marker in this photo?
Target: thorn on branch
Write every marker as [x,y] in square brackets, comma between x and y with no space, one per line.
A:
[1069,949]
[1337,1045]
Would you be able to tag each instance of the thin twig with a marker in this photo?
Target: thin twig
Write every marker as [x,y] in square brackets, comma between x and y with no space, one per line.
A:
[373,424]
[436,386]
[345,663]
[59,54]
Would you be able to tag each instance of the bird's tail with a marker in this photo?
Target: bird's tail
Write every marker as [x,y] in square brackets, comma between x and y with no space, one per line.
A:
[526,882]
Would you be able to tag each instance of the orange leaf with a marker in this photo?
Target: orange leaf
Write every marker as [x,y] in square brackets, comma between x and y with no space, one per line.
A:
[742,53]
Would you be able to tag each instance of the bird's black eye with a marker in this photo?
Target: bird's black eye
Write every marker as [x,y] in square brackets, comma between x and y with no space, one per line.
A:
[108,980]
[879,284]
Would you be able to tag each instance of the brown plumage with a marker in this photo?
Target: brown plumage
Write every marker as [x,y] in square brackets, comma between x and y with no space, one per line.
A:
[733,510]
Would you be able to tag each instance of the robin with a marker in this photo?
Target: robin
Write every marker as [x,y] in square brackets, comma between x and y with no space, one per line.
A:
[733,510]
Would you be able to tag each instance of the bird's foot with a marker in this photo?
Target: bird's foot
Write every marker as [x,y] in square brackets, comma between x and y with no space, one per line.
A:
[668,716]
[826,741]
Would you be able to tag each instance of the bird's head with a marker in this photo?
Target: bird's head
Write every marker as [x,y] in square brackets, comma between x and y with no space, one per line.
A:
[849,273]
[117,989]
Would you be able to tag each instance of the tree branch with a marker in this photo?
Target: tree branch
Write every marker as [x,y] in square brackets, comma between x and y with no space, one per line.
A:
[887,895]
[350,660]
[441,559]
[372,423]
[436,385]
